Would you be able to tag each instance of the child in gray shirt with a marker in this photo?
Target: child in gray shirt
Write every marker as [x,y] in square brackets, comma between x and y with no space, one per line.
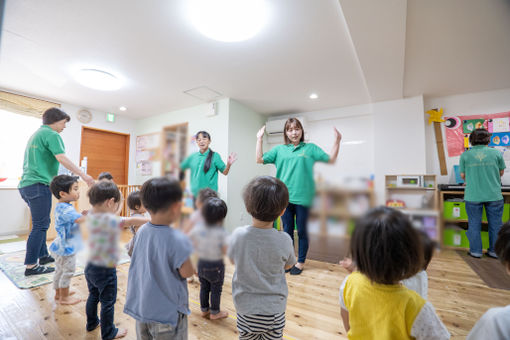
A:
[209,240]
[261,255]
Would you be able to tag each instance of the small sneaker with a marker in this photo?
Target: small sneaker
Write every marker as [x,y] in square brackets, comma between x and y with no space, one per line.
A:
[38,270]
[45,260]
[492,254]
[476,256]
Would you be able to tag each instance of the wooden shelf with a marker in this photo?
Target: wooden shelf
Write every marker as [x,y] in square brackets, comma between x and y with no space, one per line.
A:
[420,212]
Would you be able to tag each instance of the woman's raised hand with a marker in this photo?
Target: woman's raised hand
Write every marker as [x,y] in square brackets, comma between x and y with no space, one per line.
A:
[338,135]
[232,158]
[260,134]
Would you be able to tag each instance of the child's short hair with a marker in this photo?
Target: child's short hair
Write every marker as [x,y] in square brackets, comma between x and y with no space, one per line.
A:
[102,191]
[134,201]
[429,246]
[62,183]
[479,137]
[105,175]
[206,193]
[214,211]
[503,244]
[386,247]
[265,198]
[159,193]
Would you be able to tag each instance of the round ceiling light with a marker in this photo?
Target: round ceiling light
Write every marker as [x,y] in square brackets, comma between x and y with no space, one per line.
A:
[123,108]
[314,96]
[228,20]
[98,80]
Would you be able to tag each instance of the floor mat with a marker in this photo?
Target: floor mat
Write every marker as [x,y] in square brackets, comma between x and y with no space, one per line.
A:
[491,271]
[12,265]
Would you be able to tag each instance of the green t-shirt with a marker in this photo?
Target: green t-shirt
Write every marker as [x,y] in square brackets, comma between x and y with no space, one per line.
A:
[294,167]
[40,164]
[199,179]
[481,166]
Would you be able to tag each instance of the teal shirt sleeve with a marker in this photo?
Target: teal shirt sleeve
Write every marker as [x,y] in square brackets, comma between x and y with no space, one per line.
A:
[501,162]
[319,155]
[186,163]
[462,163]
[55,144]
[218,163]
[270,156]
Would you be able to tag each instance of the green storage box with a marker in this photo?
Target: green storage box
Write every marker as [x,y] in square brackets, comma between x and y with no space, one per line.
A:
[457,238]
[448,211]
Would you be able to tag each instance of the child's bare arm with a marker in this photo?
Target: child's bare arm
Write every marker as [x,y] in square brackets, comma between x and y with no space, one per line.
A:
[136,221]
[345,319]
[80,220]
[186,269]
[224,249]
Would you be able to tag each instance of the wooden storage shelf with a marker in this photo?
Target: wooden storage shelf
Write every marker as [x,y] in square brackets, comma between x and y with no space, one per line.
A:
[333,202]
[420,202]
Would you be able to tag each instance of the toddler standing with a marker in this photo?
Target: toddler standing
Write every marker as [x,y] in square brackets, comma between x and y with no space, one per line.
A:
[209,240]
[374,305]
[68,241]
[101,272]
[157,292]
[261,254]
[137,210]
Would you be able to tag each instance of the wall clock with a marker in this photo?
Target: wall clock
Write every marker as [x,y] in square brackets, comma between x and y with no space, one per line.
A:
[84,116]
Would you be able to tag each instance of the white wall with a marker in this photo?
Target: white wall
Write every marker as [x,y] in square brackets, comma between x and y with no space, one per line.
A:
[243,125]
[356,156]
[72,134]
[461,105]
[217,126]
[15,213]
[399,140]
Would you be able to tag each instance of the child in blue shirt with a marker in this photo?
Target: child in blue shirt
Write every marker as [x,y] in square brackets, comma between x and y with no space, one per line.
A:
[68,241]
[157,292]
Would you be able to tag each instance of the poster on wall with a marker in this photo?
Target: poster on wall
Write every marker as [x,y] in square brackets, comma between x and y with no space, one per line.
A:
[499,125]
[454,129]
[147,151]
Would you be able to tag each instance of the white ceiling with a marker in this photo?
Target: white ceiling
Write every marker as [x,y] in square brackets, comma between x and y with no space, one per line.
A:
[349,52]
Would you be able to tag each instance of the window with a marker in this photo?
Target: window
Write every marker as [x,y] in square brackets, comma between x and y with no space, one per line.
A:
[15,130]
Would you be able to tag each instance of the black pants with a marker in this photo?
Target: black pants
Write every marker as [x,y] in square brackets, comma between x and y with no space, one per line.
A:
[211,275]
[102,284]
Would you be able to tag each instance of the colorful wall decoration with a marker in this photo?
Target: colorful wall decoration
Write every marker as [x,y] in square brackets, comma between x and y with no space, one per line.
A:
[457,130]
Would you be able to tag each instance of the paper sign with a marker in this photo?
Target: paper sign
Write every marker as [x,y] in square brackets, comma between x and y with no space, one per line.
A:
[456,212]
[500,139]
[499,125]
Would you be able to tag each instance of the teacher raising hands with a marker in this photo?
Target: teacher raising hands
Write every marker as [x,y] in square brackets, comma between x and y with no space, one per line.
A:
[294,161]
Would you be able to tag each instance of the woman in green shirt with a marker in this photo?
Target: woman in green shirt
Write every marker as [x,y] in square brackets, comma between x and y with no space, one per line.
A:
[43,154]
[294,163]
[205,164]
[482,168]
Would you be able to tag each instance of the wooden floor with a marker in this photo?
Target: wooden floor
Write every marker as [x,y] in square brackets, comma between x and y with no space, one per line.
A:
[458,294]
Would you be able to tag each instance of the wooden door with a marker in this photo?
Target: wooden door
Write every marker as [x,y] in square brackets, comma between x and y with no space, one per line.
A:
[105,151]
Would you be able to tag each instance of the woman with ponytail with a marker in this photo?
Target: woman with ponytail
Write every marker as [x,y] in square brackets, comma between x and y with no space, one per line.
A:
[205,164]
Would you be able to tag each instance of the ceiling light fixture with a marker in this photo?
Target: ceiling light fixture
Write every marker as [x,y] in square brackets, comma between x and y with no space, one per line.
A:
[228,20]
[98,80]
[123,108]
[314,96]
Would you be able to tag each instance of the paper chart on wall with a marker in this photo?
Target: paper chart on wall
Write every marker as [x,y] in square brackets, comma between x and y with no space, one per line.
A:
[499,125]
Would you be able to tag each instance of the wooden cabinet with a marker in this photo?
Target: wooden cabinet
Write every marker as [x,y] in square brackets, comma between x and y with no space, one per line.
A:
[416,199]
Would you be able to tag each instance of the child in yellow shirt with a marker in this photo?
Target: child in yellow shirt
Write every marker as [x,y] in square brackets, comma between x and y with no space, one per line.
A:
[374,304]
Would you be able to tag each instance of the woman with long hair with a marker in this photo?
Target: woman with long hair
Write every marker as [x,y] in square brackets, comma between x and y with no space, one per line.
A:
[294,161]
[205,165]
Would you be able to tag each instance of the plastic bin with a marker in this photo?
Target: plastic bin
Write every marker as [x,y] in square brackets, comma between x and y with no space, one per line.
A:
[448,211]
[457,238]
